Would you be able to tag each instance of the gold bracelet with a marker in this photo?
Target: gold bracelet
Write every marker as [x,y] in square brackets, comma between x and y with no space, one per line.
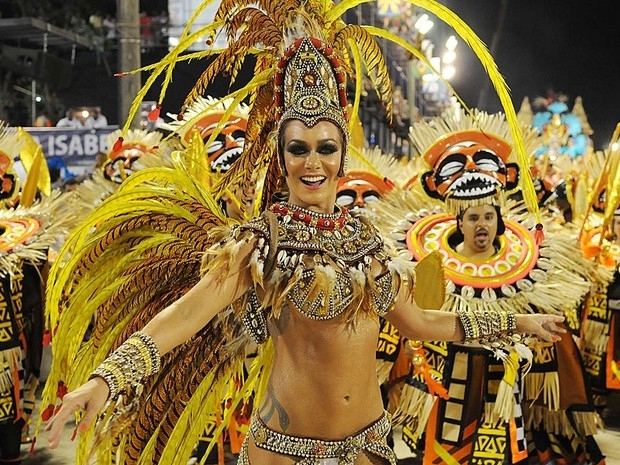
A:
[487,325]
[134,360]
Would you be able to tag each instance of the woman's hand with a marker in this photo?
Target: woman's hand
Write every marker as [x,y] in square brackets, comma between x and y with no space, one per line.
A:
[90,397]
[545,327]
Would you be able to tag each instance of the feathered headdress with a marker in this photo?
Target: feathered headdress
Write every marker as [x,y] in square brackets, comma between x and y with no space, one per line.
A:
[265,29]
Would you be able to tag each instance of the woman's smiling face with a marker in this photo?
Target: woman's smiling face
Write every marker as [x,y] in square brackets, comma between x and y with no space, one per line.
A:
[312,160]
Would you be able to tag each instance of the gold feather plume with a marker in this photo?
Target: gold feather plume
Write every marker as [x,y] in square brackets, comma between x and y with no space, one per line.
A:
[261,29]
[29,154]
[137,252]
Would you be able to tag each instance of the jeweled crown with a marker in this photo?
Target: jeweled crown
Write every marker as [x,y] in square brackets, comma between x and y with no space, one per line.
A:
[310,84]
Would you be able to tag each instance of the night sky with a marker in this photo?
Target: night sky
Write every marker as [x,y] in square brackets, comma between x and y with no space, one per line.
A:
[572,47]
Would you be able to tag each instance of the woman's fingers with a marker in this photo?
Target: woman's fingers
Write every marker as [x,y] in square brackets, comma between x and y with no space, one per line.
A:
[88,418]
[550,327]
[89,397]
[57,424]
[555,328]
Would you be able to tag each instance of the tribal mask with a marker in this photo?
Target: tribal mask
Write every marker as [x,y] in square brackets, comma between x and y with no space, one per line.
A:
[469,166]
[228,144]
[124,153]
[204,116]
[358,188]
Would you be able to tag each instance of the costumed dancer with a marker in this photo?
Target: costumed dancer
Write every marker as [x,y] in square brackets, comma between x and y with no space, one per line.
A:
[600,328]
[565,147]
[306,279]
[493,259]
[567,162]
[32,219]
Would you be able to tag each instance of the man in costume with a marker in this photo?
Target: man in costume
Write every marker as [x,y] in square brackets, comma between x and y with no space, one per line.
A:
[491,260]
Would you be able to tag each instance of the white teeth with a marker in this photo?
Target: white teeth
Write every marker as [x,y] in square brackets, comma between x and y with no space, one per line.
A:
[313,178]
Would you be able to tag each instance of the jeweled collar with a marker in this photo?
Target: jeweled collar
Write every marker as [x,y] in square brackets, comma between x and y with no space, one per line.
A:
[325,221]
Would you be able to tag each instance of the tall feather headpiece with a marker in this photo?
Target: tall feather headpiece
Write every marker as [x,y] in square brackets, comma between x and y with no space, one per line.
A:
[264,30]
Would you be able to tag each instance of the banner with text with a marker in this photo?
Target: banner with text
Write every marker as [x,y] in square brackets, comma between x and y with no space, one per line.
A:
[78,148]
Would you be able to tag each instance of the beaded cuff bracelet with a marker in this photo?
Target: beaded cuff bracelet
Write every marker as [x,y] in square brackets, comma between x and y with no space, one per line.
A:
[488,325]
[134,360]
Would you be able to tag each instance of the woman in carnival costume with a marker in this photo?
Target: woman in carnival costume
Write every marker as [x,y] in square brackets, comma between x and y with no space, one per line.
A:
[306,279]
[33,220]
[493,260]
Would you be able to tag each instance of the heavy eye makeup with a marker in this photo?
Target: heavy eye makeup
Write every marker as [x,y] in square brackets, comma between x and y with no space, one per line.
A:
[301,149]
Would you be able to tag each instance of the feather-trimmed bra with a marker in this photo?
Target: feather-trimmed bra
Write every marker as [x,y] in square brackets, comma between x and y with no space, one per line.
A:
[323,263]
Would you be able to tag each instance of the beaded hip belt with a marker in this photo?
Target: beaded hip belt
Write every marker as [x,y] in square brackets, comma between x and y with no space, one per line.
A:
[372,440]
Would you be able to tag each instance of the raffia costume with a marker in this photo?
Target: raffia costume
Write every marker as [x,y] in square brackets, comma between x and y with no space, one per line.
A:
[143,247]
[481,420]
[29,228]
[599,332]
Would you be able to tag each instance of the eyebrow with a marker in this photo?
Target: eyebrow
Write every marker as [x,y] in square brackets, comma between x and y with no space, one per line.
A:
[322,141]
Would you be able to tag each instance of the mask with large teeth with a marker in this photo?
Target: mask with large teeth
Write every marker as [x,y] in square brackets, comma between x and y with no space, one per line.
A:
[204,116]
[469,166]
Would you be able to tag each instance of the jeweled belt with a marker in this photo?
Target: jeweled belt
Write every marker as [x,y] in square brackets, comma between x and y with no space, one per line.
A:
[372,439]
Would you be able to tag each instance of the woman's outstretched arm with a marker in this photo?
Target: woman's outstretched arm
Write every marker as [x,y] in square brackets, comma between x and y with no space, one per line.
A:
[171,327]
[435,325]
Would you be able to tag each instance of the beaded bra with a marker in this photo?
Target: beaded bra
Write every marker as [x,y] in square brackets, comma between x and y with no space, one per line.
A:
[324,261]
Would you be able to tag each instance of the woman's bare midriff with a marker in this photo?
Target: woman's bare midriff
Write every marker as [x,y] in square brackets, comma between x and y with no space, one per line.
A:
[324,383]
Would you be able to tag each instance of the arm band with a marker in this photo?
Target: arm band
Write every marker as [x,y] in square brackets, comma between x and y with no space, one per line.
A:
[134,360]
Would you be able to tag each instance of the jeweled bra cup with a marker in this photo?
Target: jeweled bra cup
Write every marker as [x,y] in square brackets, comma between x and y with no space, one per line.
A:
[329,257]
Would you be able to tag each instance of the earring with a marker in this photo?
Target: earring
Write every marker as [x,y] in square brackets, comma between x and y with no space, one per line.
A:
[342,172]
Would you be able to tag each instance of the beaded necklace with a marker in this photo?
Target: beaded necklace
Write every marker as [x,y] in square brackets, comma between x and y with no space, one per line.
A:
[325,221]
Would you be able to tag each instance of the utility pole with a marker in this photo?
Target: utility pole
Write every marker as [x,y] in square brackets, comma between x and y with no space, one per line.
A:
[128,25]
